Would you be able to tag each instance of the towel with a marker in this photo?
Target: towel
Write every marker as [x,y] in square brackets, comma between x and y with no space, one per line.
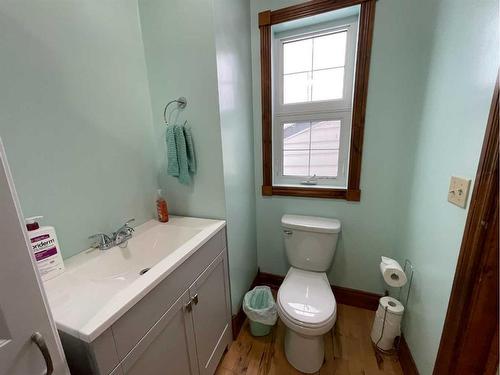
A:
[180,152]
[191,157]
[172,163]
[182,158]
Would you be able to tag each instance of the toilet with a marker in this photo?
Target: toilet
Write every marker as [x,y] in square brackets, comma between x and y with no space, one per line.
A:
[306,304]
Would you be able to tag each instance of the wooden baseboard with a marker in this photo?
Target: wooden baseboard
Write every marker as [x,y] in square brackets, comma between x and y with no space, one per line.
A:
[237,322]
[269,279]
[345,296]
[357,298]
[406,359]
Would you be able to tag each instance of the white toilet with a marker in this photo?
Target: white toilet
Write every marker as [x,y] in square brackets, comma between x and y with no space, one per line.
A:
[306,303]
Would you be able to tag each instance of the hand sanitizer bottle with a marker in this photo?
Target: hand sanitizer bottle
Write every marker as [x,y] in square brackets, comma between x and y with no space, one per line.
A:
[161,208]
[46,248]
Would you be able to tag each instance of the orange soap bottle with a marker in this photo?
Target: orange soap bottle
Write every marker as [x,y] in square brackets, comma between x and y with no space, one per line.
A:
[161,208]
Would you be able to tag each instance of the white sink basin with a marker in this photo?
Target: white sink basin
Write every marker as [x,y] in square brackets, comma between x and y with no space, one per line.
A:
[144,250]
[100,286]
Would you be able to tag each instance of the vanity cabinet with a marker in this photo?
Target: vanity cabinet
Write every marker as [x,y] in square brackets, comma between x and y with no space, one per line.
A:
[182,326]
[169,345]
[211,315]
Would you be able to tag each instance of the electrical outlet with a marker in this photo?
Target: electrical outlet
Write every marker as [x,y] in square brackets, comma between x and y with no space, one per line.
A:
[458,191]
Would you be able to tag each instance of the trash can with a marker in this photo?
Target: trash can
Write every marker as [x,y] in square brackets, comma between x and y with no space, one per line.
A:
[260,308]
[387,323]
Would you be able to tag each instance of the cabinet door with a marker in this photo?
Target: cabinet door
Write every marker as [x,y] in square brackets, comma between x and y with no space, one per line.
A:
[211,314]
[168,347]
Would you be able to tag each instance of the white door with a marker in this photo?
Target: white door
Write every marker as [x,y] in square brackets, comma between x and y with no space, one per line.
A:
[29,344]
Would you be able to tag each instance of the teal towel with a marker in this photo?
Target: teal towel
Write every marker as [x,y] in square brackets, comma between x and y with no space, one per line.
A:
[182,158]
[191,157]
[181,161]
[172,162]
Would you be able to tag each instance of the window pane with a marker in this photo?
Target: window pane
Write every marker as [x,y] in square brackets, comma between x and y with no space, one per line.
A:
[329,50]
[328,84]
[296,88]
[297,56]
[324,163]
[296,135]
[295,163]
[325,135]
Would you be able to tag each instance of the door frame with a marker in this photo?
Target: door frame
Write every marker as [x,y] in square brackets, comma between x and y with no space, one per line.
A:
[469,342]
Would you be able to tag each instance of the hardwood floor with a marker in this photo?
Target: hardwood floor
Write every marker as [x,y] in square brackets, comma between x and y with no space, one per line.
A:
[348,350]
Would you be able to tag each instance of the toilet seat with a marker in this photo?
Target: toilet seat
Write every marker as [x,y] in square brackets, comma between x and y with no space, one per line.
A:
[306,302]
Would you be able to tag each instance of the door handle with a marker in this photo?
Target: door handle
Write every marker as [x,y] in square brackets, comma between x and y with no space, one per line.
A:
[195,299]
[39,341]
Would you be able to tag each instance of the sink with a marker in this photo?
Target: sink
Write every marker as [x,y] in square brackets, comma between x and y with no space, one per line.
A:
[97,286]
[144,250]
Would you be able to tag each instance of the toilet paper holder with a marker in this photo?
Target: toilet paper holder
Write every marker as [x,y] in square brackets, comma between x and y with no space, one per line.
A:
[409,270]
[408,267]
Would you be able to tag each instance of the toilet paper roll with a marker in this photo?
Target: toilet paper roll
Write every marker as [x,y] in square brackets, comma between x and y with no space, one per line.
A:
[392,272]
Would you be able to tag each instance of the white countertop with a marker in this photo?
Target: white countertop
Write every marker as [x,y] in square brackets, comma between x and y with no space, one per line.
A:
[98,287]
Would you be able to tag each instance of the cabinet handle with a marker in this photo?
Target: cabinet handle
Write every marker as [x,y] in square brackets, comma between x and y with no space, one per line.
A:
[188,306]
[195,299]
[38,339]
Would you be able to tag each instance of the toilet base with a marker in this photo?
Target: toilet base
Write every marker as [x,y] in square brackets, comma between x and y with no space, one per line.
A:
[305,353]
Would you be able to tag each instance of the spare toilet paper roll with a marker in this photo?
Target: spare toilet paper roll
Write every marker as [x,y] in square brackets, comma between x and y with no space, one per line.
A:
[392,272]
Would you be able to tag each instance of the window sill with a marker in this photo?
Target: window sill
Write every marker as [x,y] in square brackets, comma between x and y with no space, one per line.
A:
[311,192]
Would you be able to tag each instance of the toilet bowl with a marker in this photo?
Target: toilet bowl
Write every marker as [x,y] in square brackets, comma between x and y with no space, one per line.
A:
[307,307]
[306,303]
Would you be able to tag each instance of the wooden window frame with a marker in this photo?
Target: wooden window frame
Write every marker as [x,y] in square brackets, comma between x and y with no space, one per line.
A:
[269,18]
[339,109]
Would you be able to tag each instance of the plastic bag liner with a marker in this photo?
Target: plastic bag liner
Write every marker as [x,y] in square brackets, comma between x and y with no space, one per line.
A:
[259,306]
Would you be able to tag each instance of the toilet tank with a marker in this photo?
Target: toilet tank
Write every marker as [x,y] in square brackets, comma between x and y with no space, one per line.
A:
[310,241]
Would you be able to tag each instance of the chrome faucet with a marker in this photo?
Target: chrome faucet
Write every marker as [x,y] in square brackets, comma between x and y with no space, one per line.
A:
[103,241]
[123,234]
[118,238]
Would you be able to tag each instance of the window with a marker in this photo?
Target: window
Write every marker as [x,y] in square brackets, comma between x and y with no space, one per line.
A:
[313,95]
[313,67]
[314,74]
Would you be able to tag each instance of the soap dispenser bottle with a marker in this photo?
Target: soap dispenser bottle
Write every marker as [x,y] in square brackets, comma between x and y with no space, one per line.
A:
[161,208]
[44,243]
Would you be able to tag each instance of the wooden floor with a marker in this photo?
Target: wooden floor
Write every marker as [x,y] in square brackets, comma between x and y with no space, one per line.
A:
[348,350]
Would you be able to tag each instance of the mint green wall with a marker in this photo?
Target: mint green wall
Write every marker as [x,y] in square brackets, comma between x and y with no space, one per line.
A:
[370,226]
[179,43]
[75,114]
[461,73]
[232,35]
[432,74]
[191,50]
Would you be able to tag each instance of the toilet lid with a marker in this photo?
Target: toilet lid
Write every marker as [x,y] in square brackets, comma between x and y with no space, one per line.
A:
[307,297]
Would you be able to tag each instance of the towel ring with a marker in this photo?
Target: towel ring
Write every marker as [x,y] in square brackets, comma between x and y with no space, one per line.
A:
[181,104]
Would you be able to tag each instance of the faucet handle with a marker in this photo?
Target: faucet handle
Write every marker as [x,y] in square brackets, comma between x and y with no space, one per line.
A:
[103,241]
[126,225]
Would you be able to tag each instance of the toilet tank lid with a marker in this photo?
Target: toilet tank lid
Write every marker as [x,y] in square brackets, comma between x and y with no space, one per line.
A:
[311,223]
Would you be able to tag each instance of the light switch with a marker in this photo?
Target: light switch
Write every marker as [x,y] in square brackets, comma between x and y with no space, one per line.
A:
[458,191]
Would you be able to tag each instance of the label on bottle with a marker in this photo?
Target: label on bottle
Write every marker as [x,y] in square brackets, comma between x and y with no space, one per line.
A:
[47,257]
[41,255]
